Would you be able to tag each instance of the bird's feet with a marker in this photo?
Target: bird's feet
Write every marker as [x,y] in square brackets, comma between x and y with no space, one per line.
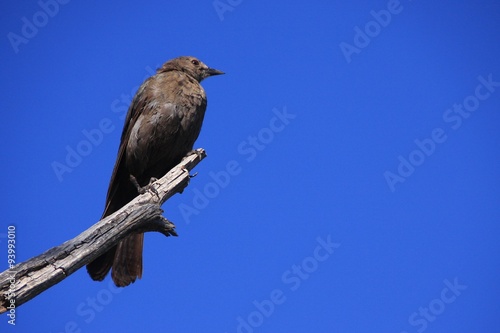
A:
[144,189]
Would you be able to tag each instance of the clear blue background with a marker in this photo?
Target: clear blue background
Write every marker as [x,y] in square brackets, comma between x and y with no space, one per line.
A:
[321,176]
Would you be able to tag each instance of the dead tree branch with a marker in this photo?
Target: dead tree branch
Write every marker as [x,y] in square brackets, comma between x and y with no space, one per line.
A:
[28,279]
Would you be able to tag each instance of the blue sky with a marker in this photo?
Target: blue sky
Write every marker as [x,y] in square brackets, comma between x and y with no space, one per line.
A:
[351,183]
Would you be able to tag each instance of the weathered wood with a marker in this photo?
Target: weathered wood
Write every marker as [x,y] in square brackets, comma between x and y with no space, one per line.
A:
[28,279]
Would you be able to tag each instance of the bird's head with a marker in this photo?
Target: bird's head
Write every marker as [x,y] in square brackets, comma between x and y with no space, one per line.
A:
[191,66]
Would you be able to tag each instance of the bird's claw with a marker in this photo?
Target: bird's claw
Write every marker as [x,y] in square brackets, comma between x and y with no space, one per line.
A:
[143,189]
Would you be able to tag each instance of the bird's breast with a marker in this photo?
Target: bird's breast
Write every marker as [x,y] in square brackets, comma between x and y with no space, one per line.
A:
[168,124]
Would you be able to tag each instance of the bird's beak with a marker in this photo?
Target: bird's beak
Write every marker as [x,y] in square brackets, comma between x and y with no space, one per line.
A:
[213,71]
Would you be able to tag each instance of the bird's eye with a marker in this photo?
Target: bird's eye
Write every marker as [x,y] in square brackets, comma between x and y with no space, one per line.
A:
[195,62]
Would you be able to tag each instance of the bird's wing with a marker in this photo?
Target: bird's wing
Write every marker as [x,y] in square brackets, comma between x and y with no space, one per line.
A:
[120,175]
[149,99]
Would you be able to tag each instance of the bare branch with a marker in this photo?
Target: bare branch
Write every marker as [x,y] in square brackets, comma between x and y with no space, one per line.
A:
[28,279]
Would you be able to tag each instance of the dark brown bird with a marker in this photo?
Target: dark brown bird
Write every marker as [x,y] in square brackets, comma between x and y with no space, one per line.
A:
[162,124]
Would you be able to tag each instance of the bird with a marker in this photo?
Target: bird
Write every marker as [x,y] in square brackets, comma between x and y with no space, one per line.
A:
[162,124]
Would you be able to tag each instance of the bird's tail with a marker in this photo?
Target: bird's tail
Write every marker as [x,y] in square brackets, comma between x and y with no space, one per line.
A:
[127,265]
[125,260]
[99,268]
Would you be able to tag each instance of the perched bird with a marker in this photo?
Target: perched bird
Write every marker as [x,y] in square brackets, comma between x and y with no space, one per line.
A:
[162,124]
